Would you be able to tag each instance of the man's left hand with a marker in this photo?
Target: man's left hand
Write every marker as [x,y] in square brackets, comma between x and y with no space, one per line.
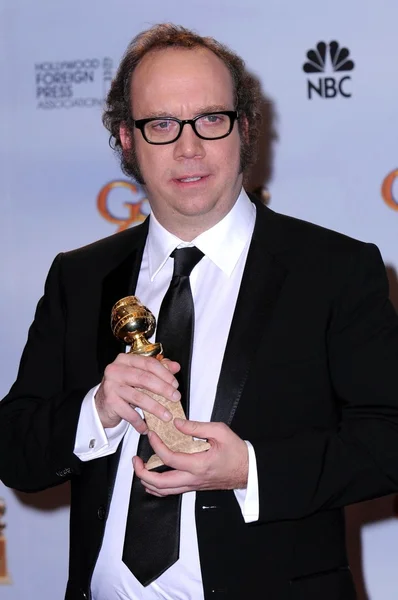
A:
[223,467]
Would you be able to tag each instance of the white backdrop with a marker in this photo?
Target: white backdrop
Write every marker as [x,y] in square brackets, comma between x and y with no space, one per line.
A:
[330,160]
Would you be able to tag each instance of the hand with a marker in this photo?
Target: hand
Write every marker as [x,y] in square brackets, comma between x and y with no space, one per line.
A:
[123,389]
[224,466]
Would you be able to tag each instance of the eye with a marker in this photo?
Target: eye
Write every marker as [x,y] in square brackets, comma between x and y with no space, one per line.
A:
[161,125]
[213,118]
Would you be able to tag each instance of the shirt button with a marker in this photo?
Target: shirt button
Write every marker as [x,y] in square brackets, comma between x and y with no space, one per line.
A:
[91,444]
[101,512]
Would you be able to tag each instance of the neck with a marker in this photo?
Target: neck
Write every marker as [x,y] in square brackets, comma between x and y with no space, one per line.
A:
[188,228]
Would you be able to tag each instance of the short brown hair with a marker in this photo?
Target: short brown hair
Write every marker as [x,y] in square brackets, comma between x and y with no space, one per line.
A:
[163,36]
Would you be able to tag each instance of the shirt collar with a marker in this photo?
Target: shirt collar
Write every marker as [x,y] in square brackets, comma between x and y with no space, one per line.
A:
[222,244]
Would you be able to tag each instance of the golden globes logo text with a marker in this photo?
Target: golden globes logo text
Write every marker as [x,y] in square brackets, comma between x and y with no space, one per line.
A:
[389,189]
[137,206]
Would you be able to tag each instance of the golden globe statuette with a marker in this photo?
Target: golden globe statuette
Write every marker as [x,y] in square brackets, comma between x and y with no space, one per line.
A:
[4,576]
[132,323]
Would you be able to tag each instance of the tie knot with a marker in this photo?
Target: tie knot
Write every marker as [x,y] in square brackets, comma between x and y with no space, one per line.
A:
[185,259]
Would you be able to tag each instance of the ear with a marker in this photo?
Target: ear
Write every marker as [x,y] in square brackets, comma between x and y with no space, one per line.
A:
[125,136]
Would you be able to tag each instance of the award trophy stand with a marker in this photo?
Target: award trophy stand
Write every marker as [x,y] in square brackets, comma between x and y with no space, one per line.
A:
[133,323]
[4,576]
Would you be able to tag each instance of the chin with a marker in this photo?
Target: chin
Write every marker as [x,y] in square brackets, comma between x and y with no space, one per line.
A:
[196,209]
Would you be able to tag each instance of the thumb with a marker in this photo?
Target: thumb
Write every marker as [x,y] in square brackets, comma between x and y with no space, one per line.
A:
[194,428]
[170,365]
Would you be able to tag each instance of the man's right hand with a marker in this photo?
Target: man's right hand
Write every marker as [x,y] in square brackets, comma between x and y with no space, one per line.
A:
[120,392]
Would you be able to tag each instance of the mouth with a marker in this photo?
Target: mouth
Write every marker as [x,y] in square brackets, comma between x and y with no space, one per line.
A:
[191,180]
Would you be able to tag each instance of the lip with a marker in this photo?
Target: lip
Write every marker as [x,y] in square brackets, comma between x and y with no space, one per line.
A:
[201,181]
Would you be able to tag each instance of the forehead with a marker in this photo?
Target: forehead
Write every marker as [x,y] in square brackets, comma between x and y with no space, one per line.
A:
[178,80]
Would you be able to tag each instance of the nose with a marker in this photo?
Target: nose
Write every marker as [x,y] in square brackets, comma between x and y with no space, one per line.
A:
[188,145]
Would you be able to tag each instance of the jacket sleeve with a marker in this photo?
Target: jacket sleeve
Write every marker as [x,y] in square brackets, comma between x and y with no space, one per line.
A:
[38,418]
[319,470]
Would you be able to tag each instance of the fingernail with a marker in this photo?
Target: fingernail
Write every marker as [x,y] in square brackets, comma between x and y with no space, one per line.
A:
[166,416]
[179,421]
[149,434]
[176,395]
[175,383]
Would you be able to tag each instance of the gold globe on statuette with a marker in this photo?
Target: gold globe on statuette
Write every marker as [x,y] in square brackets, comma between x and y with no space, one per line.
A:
[4,576]
[133,323]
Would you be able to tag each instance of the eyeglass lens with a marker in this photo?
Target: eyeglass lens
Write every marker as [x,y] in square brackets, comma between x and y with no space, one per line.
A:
[208,126]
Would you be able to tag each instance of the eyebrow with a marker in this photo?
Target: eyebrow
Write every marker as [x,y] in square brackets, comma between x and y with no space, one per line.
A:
[201,110]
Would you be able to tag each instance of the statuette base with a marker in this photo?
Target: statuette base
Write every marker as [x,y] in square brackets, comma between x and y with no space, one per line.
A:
[175,440]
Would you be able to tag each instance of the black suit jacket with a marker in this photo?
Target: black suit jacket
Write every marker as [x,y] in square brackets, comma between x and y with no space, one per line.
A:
[308,376]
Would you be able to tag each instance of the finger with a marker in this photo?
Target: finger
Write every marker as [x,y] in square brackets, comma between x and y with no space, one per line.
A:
[171,365]
[167,492]
[205,431]
[138,378]
[161,481]
[112,408]
[143,473]
[127,412]
[123,374]
[138,463]
[164,369]
[163,490]
[185,467]
[181,461]
[139,398]
[140,471]
[153,493]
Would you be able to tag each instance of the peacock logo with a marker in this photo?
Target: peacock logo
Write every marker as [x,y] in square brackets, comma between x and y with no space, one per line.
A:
[328,57]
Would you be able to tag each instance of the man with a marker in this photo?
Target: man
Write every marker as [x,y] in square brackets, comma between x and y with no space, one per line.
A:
[293,364]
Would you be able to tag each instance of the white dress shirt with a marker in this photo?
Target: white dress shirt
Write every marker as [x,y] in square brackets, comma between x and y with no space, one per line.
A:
[215,284]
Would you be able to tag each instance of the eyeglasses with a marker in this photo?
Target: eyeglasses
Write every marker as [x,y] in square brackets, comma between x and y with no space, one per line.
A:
[208,126]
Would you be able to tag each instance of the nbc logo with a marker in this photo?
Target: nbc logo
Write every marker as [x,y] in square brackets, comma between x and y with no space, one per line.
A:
[328,57]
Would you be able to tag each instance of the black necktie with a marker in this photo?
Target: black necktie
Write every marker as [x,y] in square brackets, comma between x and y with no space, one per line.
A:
[152,538]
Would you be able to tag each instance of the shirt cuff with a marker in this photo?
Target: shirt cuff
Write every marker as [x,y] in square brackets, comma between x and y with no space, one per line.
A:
[92,440]
[248,498]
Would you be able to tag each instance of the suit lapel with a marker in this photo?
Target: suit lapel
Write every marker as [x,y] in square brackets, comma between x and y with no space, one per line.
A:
[262,281]
[119,282]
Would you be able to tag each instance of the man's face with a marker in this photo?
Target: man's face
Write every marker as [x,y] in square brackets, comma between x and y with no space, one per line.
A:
[183,83]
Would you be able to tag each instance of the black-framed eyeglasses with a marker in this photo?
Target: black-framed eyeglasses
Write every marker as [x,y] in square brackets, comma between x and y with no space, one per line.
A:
[207,126]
